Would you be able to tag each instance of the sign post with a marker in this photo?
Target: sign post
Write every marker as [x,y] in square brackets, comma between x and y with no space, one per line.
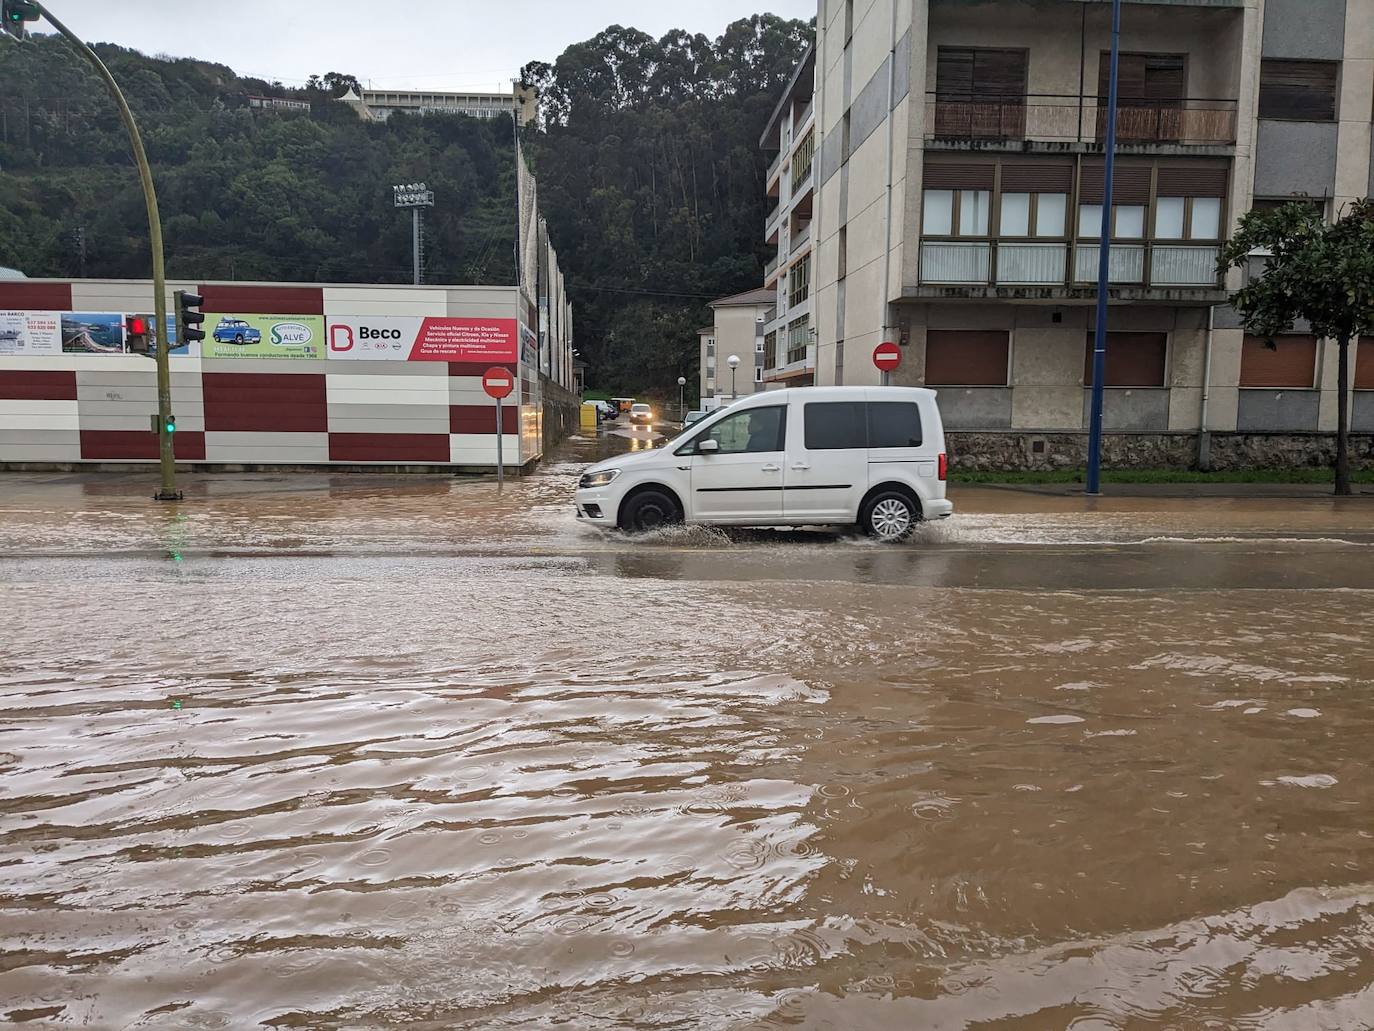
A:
[498,383]
[887,356]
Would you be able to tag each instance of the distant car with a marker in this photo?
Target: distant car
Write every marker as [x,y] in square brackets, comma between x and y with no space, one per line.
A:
[693,417]
[606,410]
[640,412]
[236,331]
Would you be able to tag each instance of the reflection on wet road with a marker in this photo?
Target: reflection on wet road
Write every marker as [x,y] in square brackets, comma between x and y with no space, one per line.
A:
[373,751]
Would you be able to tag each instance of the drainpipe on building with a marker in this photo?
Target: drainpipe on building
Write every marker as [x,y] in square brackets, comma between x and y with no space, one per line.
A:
[1204,436]
[887,222]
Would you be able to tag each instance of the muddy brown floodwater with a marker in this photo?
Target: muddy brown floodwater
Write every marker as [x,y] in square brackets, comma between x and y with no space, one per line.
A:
[368,752]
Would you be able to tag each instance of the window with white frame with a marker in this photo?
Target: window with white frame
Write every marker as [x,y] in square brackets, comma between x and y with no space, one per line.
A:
[956,212]
[1033,214]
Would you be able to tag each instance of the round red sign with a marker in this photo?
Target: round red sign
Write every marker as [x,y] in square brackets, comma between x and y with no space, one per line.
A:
[498,382]
[887,356]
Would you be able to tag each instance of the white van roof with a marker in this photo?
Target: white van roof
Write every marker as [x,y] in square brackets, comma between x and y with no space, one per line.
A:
[829,394]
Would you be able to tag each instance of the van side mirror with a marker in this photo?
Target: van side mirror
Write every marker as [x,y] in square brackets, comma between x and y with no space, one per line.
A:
[709,446]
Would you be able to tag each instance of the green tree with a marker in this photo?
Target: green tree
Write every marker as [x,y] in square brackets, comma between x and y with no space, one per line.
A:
[1317,273]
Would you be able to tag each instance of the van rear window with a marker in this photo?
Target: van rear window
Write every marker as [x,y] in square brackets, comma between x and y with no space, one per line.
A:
[894,424]
[836,425]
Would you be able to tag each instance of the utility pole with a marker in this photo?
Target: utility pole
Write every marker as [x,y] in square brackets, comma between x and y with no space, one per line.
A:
[167,490]
[414,196]
[1093,485]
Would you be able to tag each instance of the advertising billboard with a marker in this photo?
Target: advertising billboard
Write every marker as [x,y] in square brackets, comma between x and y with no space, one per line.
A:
[262,336]
[421,339]
[30,332]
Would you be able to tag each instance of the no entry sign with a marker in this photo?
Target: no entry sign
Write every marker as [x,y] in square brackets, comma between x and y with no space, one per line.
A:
[887,356]
[498,382]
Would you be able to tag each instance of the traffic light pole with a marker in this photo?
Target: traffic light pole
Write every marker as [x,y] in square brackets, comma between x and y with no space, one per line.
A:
[167,490]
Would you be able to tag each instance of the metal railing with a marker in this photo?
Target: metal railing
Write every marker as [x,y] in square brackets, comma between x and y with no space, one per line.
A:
[1023,263]
[771,266]
[770,222]
[801,237]
[1068,118]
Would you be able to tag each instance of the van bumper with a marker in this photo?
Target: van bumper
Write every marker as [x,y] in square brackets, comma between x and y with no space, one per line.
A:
[937,508]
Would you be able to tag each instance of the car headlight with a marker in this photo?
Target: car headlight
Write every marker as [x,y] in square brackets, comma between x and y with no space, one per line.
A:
[598,479]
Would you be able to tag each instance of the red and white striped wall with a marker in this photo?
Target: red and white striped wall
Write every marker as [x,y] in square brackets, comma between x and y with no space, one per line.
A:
[69,408]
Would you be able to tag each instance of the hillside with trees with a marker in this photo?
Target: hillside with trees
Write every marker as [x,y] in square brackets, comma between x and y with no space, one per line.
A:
[646,151]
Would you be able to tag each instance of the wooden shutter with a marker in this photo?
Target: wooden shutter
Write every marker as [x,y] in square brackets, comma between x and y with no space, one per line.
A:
[1000,74]
[1364,364]
[1130,183]
[1037,177]
[1292,365]
[1300,90]
[1133,360]
[1193,180]
[966,358]
[954,74]
[1130,88]
[958,175]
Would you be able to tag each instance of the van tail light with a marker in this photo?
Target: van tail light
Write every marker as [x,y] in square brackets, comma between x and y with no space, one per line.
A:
[944,466]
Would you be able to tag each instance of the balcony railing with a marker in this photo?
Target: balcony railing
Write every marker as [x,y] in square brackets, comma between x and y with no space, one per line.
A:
[1073,119]
[771,267]
[800,237]
[1016,263]
[770,224]
[773,167]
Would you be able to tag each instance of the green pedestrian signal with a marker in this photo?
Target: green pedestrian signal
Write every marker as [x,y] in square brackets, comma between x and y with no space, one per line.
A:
[171,424]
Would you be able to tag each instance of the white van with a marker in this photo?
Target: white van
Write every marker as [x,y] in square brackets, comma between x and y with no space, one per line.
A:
[808,456]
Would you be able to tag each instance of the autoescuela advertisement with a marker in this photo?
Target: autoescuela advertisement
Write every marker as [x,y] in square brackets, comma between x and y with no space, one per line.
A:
[421,339]
[71,332]
[262,336]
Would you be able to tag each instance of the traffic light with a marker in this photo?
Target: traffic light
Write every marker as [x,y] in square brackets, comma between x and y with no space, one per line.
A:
[140,340]
[171,424]
[15,13]
[188,318]
[157,424]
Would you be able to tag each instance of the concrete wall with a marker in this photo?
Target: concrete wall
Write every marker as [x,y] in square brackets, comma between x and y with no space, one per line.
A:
[739,332]
[1296,157]
[1305,29]
[251,410]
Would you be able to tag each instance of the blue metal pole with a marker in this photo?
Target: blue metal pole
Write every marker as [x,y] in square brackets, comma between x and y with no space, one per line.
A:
[1104,266]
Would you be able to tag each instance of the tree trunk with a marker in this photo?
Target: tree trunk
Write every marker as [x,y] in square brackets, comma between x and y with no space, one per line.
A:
[1342,417]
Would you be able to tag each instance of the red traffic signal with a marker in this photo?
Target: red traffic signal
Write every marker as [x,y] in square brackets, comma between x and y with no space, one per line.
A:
[137,326]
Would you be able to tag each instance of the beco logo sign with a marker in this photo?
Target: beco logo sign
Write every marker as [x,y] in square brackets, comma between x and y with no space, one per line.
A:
[368,333]
[290,334]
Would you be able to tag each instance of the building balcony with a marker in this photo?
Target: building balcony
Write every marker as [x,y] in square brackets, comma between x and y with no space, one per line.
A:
[800,239]
[1060,120]
[774,168]
[770,270]
[1146,265]
[772,222]
[804,121]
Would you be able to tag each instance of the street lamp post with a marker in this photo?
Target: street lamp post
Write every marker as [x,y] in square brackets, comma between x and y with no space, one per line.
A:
[1093,485]
[681,396]
[733,362]
[414,196]
[167,490]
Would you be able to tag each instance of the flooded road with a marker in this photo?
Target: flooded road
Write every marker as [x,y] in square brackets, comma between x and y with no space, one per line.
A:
[360,752]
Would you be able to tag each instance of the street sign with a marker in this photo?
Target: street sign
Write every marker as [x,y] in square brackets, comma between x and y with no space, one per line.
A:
[498,382]
[887,356]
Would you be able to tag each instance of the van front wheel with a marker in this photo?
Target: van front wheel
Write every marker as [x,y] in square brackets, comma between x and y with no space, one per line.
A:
[649,510]
[889,516]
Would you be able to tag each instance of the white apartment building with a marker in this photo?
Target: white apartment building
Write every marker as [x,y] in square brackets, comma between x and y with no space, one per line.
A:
[789,347]
[738,330]
[957,197]
[379,105]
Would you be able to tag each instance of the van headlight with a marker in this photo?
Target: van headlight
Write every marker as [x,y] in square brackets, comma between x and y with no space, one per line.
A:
[598,479]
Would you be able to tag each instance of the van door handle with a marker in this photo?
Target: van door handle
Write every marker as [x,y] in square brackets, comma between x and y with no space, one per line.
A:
[772,467]
[801,465]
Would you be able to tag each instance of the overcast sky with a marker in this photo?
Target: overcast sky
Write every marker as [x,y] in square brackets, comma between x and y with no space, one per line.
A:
[426,44]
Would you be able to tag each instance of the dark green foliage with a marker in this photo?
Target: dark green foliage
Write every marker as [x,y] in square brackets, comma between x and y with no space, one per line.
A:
[652,181]
[244,194]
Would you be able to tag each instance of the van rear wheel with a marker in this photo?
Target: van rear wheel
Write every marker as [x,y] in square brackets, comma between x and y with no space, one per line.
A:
[649,510]
[889,516]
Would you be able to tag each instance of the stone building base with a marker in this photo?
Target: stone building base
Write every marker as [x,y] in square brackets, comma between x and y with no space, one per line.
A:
[995,451]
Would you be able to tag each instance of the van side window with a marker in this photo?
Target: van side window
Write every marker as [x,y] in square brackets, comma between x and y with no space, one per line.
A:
[834,425]
[894,424]
[751,431]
